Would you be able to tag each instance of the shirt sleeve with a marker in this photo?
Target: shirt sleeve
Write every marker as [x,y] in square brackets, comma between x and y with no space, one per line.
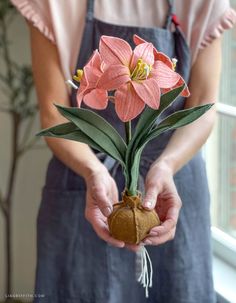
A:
[217,24]
[62,22]
[216,16]
[37,12]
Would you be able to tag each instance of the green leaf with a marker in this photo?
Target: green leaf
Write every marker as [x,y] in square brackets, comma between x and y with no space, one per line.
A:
[71,132]
[149,116]
[97,121]
[174,121]
[179,119]
[59,129]
[134,172]
[146,122]
[98,129]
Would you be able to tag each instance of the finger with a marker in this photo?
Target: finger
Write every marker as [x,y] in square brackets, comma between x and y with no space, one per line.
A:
[150,198]
[102,231]
[172,216]
[170,221]
[157,240]
[103,202]
[114,193]
[164,228]
[155,234]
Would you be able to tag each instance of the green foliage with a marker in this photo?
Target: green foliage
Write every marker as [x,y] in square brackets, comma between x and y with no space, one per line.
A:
[16,80]
[5,8]
[93,129]
[71,132]
[88,127]
[149,116]
[145,124]
[21,102]
[174,121]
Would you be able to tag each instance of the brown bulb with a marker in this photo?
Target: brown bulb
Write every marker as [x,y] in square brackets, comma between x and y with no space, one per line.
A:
[130,222]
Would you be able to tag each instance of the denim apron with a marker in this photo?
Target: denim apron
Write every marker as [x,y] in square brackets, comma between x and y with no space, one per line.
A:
[73,264]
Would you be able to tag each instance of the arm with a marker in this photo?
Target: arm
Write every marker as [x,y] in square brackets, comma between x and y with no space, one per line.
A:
[50,87]
[161,192]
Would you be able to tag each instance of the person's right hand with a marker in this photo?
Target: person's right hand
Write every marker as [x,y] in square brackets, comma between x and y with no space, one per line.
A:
[101,194]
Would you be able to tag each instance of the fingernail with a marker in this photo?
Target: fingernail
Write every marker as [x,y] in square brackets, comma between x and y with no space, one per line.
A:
[107,211]
[148,204]
[147,242]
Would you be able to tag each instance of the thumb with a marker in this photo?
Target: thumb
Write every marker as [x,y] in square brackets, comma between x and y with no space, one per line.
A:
[102,201]
[150,198]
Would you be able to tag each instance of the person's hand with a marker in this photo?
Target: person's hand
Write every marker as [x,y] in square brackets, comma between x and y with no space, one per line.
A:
[101,194]
[162,195]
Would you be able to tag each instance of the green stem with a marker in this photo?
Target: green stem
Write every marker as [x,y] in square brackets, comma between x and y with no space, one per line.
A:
[131,193]
[128,133]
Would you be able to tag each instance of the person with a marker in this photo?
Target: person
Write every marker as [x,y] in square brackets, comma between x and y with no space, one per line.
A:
[77,259]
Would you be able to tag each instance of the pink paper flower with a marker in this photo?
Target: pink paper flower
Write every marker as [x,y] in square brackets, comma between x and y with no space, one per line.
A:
[184,93]
[165,59]
[88,92]
[137,76]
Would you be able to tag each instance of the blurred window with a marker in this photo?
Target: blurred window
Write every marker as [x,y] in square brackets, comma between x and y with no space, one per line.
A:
[221,157]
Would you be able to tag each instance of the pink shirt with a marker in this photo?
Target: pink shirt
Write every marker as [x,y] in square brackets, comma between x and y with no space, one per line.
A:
[63,21]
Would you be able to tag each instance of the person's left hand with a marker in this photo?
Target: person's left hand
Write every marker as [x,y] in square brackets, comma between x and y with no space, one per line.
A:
[162,195]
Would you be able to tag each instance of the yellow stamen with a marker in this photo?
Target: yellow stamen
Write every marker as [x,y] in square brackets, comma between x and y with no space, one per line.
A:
[174,63]
[79,75]
[141,70]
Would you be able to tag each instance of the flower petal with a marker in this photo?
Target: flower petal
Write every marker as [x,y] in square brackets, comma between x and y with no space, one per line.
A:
[157,55]
[95,60]
[163,58]
[114,77]
[143,51]
[138,40]
[149,91]
[185,92]
[79,98]
[115,50]
[96,98]
[92,76]
[164,75]
[92,72]
[128,105]
[83,88]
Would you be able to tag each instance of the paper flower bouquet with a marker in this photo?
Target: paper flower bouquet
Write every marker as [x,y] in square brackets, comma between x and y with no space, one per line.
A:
[140,82]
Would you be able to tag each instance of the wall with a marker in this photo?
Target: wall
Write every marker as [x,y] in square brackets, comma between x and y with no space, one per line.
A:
[30,178]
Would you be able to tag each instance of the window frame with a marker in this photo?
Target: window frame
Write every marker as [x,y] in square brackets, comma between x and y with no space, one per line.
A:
[224,245]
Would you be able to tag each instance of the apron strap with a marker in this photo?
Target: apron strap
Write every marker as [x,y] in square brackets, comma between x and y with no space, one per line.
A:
[170,14]
[90,10]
